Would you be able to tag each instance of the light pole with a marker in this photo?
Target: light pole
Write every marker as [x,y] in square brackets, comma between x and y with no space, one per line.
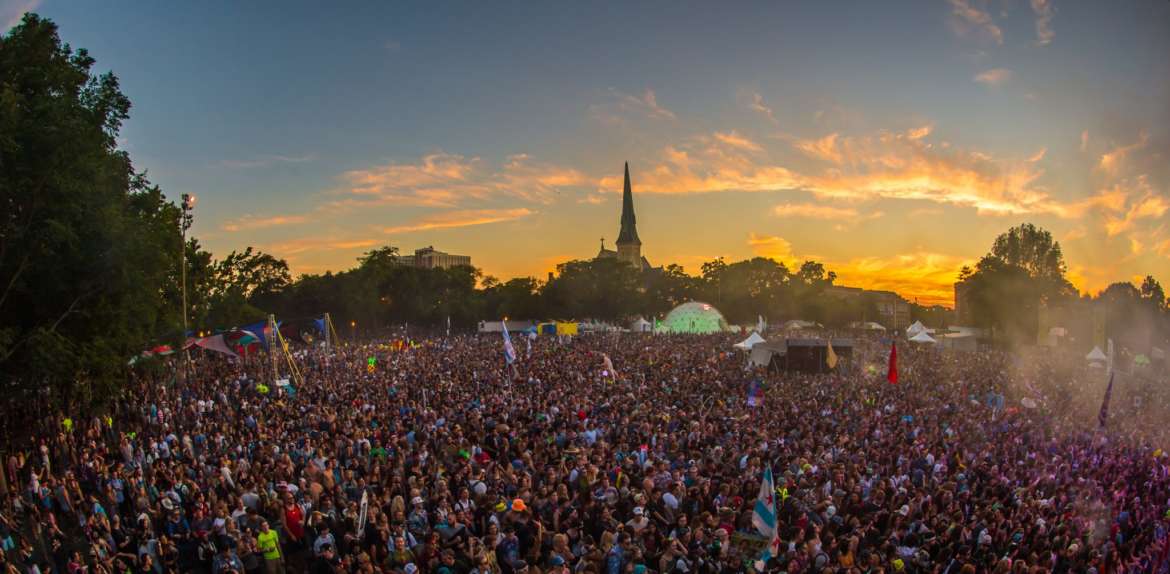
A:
[185,221]
[353,331]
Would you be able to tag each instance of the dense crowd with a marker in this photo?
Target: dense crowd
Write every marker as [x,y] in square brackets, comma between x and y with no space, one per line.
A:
[607,453]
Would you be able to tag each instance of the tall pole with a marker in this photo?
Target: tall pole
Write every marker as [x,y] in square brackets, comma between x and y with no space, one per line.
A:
[185,222]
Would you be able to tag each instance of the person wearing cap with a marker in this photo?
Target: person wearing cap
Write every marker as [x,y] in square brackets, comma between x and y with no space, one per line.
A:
[268,543]
[639,521]
[226,562]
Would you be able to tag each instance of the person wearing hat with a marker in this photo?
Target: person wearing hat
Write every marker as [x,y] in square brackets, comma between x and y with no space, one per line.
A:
[639,521]
[226,562]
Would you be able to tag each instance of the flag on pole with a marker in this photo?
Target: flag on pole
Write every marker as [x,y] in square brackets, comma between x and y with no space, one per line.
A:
[363,513]
[528,347]
[755,395]
[760,324]
[1103,416]
[764,518]
[831,357]
[892,371]
[509,350]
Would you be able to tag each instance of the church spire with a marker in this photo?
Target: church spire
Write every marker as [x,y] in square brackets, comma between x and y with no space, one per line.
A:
[629,232]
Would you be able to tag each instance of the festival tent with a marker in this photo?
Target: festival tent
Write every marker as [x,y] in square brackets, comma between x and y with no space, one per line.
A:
[749,342]
[916,328]
[566,328]
[215,343]
[797,324]
[641,326]
[693,317]
[922,337]
[869,326]
[958,342]
[1096,356]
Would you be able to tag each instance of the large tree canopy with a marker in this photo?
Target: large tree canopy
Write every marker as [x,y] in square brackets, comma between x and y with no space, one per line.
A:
[85,243]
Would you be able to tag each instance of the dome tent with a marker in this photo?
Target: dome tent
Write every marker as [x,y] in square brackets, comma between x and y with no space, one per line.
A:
[693,317]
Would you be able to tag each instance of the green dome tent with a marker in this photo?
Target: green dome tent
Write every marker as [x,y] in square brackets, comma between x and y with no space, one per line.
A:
[693,317]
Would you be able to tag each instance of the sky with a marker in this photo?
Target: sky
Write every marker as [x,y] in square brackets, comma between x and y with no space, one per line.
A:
[890,140]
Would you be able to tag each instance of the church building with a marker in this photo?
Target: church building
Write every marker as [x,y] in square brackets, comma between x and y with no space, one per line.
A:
[629,247]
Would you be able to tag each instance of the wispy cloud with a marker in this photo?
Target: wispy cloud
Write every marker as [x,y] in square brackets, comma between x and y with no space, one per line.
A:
[842,215]
[265,161]
[460,218]
[755,102]
[890,165]
[824,148]
[1140,202]
[621,106]
[1112,160]
[310,244]
[735,140]
[771,246]
[967,19]
[450,180]
[994,77]
[1085,140]
[1044,14]
[252,222]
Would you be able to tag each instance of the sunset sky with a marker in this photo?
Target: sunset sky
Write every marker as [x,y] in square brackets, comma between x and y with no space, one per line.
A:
[890,140]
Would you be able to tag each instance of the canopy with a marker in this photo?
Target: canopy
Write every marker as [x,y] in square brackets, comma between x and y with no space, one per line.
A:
[641,326]
[693,317]
[1096,355]
[749,342]
[916,328]
[922,337]
[795,324]
[870,326]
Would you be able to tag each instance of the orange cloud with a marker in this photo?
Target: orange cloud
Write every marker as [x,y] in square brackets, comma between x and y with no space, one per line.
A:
[623,105]
[448,180]
[966,18]
[824,148]
[1044,14]
[771,246]
[994,77]
[922,275]
[250,222]
[756,104]
[737,141]
[826,212]
[461,218]
[1146,204]
[306,244]
[1111,161]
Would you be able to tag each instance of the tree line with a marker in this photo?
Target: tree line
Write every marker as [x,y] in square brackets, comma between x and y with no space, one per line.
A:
[91,257]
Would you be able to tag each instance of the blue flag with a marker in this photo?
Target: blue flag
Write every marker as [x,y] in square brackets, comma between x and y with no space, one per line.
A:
[755,395]
[509,351]
[764,518]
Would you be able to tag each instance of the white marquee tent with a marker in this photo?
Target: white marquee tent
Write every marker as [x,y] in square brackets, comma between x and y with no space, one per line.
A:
[749,342]
[922,337]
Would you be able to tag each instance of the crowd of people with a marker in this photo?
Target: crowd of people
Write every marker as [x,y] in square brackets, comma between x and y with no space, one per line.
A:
[606,453]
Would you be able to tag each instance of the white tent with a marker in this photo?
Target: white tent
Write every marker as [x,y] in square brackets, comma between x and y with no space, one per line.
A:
[869,326]
[760,357]
[795,324]
[641,326]
[917,328]
[749,342]
[922,337]
[1096,356]
[959,342]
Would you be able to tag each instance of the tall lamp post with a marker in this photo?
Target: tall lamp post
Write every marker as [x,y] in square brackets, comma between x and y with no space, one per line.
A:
[185,222]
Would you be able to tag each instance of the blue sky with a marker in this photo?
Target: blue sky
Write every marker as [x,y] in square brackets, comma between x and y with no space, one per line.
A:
[892,140]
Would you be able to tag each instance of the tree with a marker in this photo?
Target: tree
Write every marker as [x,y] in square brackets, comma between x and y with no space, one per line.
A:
[86,244]
[1024,270]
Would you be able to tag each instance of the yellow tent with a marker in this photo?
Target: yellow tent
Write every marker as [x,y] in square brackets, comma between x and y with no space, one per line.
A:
[566,328]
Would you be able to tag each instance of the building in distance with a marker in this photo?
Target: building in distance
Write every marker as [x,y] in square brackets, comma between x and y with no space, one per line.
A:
[430,258]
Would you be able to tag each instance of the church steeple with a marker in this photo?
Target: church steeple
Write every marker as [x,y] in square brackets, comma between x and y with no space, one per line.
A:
[629,247]
[629,232]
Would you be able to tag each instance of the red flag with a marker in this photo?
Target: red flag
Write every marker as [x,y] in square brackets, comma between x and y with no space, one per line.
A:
[892,373]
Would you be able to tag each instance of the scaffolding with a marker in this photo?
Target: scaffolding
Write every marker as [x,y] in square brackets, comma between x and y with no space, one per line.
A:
[330,333]
[277,350]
